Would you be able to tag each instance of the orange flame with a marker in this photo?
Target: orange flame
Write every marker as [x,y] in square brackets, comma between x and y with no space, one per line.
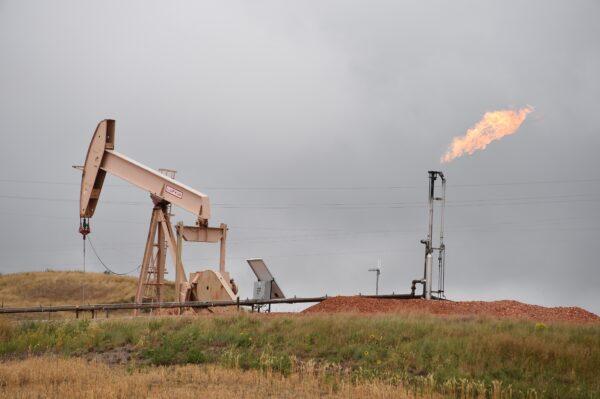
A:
[493,126]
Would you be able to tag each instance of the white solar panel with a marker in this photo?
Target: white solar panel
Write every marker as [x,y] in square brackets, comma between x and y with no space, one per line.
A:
[262,272]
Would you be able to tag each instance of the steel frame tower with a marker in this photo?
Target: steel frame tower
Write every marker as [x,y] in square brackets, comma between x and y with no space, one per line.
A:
[430,247]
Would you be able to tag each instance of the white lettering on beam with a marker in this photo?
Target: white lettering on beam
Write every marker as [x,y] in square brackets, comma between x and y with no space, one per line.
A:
[174,192]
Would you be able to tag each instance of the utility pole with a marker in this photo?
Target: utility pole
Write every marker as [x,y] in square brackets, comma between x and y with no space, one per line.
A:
[377,271]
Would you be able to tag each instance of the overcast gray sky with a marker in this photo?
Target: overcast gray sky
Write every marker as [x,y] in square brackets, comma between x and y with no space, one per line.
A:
[277,110]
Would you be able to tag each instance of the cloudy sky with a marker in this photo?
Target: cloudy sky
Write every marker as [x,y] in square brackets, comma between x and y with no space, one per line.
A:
[312,125]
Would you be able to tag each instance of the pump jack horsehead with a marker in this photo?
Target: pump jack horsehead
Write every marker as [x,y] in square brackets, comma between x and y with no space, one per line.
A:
[164,191]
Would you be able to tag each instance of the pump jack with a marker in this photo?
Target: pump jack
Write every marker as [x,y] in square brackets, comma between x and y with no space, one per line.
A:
[164,191]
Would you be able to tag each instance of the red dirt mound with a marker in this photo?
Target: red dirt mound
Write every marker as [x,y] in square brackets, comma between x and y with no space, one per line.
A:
[508,309]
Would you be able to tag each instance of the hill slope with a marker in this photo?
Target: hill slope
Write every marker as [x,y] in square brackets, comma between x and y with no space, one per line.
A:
[65,288]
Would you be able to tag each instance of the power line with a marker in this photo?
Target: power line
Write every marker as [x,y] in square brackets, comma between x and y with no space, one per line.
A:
[546,199]
[535,225]
[331,188]
[521,183]
[325,230]
[396,187]
[51,199]
[412,204]
[524,227]
[320,234]
[106,267]
[55,183]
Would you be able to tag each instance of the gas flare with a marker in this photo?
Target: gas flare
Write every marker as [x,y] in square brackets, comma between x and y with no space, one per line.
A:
[493,126]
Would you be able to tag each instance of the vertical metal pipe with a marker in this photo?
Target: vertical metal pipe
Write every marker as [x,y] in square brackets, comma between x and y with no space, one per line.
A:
[83,280]
[427,285]
[378,273]
[222,248]
[428,243]
[178,262]
[431,197]
[161,259]
[427,279]
[442,247]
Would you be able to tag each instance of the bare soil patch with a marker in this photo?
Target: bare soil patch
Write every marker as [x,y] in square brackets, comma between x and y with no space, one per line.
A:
[502,309]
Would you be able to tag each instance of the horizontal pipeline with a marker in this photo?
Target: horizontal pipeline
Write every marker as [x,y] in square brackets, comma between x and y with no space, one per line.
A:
[176,305]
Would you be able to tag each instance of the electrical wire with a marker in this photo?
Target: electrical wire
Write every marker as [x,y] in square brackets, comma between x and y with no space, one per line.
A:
[546,199]
[106,267]
[319,234]
[35,198]
[317,188]
[502,201]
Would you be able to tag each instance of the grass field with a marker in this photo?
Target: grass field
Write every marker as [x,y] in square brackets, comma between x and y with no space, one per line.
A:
[457,357]
[66,288]
[74,378]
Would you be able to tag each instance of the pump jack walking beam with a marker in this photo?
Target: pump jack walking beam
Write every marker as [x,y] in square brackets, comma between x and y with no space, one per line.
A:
[102,159]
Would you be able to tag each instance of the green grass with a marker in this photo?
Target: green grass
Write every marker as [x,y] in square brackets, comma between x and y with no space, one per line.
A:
[556,360]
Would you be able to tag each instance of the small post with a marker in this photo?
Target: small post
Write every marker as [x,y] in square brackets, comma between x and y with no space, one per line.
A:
[223,243]
[428,277]
[377,271]
[178,261]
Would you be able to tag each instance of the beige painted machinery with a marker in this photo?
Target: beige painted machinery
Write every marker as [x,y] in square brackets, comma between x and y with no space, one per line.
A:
[164,191]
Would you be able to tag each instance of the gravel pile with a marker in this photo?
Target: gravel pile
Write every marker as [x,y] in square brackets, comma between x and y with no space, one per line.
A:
[508,309]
